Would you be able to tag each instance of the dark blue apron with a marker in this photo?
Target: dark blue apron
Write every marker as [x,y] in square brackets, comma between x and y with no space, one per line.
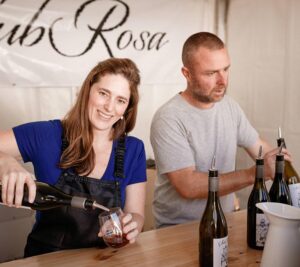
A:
[69,228]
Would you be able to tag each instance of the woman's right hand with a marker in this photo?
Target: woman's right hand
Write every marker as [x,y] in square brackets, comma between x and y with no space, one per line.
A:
[13,177]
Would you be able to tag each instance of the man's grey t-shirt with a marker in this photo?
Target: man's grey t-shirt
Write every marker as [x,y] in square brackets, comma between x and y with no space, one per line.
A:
[183,136]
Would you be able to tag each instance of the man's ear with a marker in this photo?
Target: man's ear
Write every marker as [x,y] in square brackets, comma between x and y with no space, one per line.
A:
[186,73]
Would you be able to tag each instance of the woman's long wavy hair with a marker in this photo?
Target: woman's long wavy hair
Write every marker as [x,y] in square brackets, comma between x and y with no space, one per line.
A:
[77,127]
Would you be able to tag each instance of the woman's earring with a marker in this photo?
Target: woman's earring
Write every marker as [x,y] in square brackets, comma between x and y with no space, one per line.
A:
[121,118]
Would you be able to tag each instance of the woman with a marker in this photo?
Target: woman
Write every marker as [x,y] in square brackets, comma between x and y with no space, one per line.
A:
[88,154]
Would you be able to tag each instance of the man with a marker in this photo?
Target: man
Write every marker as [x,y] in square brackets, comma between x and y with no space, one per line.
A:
[195,125]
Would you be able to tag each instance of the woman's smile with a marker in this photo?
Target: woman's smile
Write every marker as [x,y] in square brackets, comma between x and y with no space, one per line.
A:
[104,116]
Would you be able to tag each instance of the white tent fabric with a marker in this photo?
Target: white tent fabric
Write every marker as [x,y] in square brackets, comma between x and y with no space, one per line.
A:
[55,43]
[263,40]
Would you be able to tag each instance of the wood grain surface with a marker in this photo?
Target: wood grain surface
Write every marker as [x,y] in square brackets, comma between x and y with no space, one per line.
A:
[171,246]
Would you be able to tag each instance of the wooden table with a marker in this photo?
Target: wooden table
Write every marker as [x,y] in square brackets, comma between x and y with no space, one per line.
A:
[171,246]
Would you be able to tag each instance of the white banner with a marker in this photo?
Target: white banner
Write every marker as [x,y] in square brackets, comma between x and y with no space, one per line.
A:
[55,43]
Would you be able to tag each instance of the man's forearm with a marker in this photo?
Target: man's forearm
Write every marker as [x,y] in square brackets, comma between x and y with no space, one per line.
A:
[236,180]
[191,184]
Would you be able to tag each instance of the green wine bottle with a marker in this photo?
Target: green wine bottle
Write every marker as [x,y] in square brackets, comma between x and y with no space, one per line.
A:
[291,176]
[213,232]
[257,222]
[279,191]
[49,197]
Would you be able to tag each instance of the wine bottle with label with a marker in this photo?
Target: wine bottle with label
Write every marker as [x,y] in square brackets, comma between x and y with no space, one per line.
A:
[50,197]
[257,222]
[213,232]
[291,176]
[279,191]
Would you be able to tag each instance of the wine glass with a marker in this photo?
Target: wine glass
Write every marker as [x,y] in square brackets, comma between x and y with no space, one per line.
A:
[111,228]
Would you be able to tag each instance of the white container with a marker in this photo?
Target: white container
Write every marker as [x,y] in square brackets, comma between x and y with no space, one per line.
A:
[282,247]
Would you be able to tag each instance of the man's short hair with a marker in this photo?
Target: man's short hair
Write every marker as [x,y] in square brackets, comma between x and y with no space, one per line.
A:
[200,39]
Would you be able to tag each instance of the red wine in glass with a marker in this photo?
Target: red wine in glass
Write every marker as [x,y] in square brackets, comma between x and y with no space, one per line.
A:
[116,241]
[112,228]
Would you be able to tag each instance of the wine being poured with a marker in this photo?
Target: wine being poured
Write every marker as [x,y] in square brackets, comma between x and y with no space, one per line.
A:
[50,197]
[111,227]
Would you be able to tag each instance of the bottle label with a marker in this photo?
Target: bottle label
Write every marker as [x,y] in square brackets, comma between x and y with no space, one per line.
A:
[295,194]
[220,252]
[262,226]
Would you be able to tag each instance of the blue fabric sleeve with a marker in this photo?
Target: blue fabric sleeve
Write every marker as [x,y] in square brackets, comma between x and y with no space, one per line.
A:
[139,170]
[35,138]
[40,143]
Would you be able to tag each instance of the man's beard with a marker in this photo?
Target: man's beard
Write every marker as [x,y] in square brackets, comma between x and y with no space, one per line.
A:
[207,98]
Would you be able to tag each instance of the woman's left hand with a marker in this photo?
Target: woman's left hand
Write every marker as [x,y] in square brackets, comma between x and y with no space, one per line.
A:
[130,227]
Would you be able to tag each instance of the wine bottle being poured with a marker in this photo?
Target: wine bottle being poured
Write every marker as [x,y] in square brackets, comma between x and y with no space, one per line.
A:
[50,197]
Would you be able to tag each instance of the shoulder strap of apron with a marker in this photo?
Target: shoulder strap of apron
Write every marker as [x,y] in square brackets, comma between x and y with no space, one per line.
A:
[64,141]
[119,158]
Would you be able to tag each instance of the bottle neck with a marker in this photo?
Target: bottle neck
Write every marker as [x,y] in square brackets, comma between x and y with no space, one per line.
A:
[259,175]
[213,188]
[213,184]
[279,168]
